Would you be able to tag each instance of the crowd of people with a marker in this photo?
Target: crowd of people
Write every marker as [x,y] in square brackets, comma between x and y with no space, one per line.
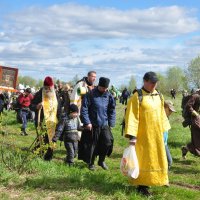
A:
[83,117]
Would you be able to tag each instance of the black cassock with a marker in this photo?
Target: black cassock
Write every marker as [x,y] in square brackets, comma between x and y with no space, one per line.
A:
[98,142]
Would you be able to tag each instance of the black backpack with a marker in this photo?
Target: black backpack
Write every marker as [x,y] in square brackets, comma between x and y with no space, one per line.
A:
[140,97]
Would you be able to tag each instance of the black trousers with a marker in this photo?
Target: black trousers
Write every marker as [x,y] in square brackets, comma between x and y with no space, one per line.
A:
[98,142]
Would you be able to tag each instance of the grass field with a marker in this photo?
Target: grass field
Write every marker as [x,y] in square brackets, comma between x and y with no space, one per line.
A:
[37,179]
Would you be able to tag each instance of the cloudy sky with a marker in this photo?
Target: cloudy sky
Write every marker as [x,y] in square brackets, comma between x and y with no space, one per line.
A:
[116,38]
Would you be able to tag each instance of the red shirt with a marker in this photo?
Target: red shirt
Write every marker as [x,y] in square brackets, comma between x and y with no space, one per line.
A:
[24,101]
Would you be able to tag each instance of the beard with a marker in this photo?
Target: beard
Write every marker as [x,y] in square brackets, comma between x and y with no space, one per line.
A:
[49,93]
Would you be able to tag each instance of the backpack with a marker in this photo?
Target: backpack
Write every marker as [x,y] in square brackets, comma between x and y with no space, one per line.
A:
[140,98]
[185,114]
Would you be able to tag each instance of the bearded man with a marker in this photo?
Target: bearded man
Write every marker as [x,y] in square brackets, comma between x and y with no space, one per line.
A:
[47,109]
[82,87]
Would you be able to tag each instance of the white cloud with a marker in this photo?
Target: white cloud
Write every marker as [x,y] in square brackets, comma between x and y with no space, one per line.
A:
[68,39]
[82,22]
[195,41]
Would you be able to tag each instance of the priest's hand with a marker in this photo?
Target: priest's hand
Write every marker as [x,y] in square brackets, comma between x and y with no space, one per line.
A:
[39,106]
[132,141]
[89,127]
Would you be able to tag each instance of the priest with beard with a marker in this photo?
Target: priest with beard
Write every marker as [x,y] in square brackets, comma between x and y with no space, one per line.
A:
[47,113]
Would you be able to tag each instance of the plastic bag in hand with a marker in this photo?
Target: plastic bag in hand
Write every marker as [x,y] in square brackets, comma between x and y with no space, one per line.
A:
[129,163]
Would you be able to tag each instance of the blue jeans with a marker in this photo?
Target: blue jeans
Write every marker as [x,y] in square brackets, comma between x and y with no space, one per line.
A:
[169,157]
[24,116]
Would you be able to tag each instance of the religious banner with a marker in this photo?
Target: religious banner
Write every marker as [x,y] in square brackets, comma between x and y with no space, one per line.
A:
[8,78]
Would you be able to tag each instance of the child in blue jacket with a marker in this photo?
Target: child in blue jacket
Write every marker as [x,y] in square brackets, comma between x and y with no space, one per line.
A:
[67,130]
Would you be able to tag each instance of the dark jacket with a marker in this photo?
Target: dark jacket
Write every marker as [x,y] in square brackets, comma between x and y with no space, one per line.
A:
[125,94]
[98,109]
[68,127]
[193,105]
[65,101]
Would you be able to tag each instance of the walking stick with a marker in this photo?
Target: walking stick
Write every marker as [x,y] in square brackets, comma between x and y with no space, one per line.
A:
[39,137]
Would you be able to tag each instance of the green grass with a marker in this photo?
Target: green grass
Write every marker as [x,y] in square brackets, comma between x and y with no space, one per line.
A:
[54,180]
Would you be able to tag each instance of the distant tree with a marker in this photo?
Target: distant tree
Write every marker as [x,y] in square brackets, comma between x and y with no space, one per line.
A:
[27,80]
[193,72]
[74,80]
[162,83]
[55,80]
[58,81]
[175,78]
[39,83]
[131,84]
[185,82]
[121,87]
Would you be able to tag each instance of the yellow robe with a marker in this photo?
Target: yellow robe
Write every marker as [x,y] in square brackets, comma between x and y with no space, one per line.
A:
[50,111]
[147,121]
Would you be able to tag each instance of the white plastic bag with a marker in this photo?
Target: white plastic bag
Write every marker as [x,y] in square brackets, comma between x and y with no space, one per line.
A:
[129,163]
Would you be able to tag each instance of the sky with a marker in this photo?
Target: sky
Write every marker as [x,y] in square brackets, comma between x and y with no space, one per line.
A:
[116,38]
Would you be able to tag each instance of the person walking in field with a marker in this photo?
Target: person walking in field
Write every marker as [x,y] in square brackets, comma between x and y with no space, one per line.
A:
[173,93]
[193,109]
[47,109]
[82,87]
[169,109]
[145,123]
[98,116]
[125,96]
[65,98]
[67,131]
[24,100]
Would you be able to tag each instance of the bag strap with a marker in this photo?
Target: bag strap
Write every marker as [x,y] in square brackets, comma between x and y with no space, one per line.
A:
[140,95]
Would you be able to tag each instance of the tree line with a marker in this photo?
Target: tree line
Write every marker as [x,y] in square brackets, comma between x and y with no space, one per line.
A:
[175,78]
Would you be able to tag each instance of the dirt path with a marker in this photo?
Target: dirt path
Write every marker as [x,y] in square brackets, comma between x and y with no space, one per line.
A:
[183,185]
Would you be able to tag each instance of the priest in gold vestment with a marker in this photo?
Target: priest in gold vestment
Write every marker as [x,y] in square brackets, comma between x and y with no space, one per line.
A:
[146,122]
[47,109]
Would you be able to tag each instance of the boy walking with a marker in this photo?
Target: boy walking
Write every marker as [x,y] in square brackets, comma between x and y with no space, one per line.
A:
[67,130]
[169,109]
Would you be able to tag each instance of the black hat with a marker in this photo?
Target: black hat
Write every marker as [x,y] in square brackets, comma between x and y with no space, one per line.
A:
[151,76]
[73,108]
[104,82]
[28,90]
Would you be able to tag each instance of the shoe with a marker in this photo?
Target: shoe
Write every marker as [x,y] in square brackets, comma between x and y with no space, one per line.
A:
[70,164]
[168,185]
[48,155]
[23,133]
[184,152]
[103,165]
[144,190]
[91,167]
[48,158]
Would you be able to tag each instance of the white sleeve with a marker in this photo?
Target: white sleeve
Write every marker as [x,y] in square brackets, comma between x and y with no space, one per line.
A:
[75,97]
